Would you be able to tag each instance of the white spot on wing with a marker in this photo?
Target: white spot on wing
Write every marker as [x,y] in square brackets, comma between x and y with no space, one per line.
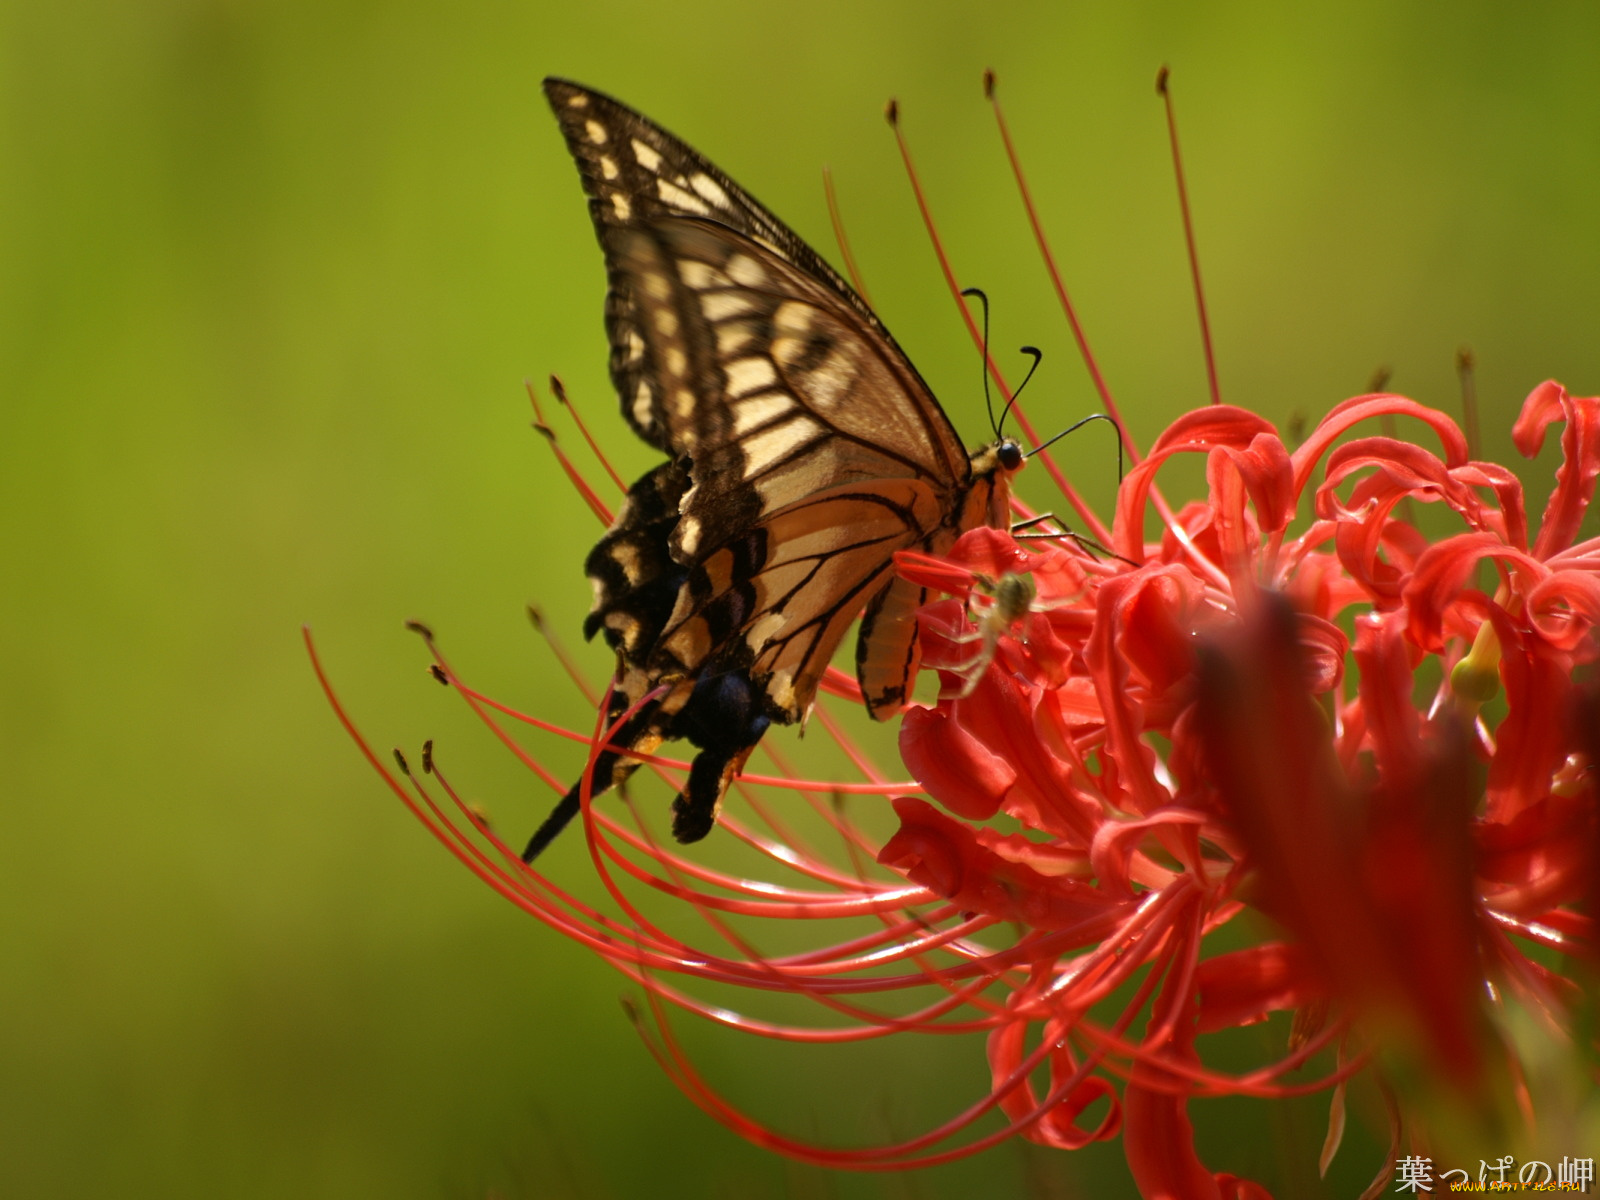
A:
[719,306]
[644,406]
[700,275]
[674,195]
[657,286]
[608,166]
[647,156]
[709,190]
[734,338]
[758,410]
[677,360]
[793,318]
[621,207]
[596,131]
[577,100]
[626,556]
[830,383]
[761,450]
[683,400]
[666,322]
[781,690]
[746,375]
[747,271]
[763,630]
[689,535]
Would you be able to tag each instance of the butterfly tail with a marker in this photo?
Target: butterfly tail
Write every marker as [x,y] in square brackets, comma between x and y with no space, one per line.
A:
[611,767]
[560,817]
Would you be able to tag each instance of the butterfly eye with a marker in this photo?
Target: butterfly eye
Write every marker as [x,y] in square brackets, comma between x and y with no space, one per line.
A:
[1009,454]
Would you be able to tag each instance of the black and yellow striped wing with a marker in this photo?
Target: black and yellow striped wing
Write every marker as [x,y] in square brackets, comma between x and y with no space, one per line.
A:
[804,450]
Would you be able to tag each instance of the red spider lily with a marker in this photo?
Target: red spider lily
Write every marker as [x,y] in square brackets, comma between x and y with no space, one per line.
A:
[1413,853]
[1168,736]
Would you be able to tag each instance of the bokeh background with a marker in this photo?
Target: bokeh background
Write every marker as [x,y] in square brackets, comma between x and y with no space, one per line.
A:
[271,277]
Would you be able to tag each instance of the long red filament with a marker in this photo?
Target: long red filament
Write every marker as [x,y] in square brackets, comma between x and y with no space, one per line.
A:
[1188,236]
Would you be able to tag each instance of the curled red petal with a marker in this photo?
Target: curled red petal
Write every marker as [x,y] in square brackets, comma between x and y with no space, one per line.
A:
[1580,458]
[1542,857]
[1116,841]
[1243,987]
[955,768]
[1441,579]
[946,857]
[936,574]
[1565,608]
[1361,408]
[1402,469]
[990,552]
[1215,427]
[1159,1140]
[1384,658]
[1141,615]
[1057,1127]
[1508,493]
[1532,740]
[1324,646]
[1262,472]
[1378,553]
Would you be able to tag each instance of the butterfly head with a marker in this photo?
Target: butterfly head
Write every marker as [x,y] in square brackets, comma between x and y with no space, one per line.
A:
[989,501]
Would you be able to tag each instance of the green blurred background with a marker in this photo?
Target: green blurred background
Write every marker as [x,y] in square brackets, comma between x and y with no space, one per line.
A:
[271,276]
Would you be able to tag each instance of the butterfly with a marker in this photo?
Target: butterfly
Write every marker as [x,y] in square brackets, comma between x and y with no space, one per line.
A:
[803,450]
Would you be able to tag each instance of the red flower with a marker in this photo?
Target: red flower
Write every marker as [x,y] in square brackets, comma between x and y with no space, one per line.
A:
[1172,734]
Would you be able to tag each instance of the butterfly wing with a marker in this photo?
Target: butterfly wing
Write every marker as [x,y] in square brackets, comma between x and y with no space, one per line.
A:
[636,175]
[805,450]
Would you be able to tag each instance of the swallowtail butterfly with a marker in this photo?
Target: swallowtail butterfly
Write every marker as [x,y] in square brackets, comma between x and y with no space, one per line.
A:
[803,450]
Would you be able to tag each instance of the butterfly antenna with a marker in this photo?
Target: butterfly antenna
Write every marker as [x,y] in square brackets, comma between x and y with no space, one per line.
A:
[1038,357]
[988,401]
[1188,234]
[1074,428]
